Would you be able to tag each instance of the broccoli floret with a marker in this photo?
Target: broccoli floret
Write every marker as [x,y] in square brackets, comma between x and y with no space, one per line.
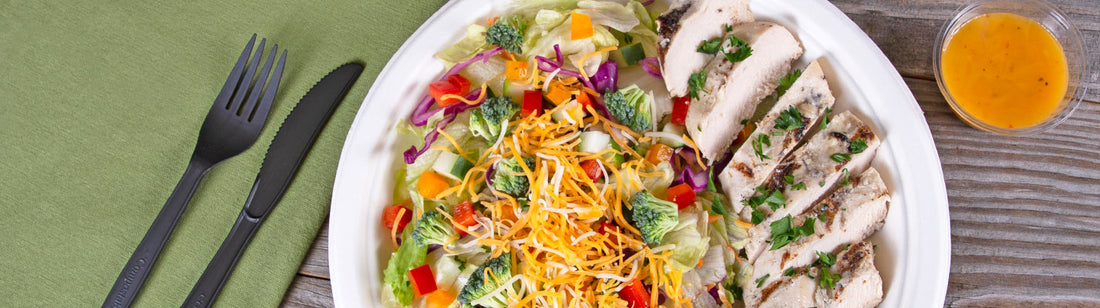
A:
[432,228]
[509,177]
[479,288]
[507,33]
[653,217]
[485,121]
[630,107]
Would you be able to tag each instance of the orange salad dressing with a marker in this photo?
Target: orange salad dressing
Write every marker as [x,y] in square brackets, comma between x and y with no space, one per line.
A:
[1006,70]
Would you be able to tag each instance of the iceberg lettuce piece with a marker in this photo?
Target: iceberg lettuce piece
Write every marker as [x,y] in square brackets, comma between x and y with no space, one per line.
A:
[470,45]
[690,243]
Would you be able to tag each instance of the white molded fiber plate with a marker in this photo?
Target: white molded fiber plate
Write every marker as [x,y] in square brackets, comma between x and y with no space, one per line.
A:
[913,248]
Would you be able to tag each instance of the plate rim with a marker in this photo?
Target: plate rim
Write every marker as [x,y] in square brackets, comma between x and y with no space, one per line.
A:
[938,238]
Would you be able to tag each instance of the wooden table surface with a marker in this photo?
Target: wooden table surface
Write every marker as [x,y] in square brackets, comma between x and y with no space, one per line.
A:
[1025,211]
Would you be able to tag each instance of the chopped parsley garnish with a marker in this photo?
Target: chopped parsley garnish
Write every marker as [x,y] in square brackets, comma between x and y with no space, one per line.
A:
[760,281]
[789,119]
[758,145]
[789,179]
[696,83]
[711,46]
[743,50]
[784,231]
[825,118]
[844,181]
[744,121]
[790,272]
[841,157]
[826,279]
[775,200]
[714,45]
[757,216]
[825,259]
[799,186]
[786,82]
[857,146]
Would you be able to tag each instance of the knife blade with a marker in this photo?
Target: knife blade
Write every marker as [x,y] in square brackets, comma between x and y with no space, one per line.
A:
[284,156]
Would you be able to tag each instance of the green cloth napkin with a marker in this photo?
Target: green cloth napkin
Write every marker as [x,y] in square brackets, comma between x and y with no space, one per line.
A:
[100,108]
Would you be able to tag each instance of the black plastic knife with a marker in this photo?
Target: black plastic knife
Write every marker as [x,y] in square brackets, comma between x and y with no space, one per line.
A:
[285,154]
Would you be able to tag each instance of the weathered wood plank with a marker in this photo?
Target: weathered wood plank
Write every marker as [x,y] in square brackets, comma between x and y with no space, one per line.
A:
[1025,211]
[308,291]
[906,31]
[316,262]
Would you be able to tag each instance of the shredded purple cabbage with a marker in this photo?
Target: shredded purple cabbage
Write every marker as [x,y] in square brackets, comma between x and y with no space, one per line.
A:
[647,3]
[606,78]
[489,174]
[713,291]
[423,112]
[684,168]
[652,66]
[449,114]
[546,65]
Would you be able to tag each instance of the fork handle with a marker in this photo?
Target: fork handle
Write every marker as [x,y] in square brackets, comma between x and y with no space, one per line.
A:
[217,272]
[137,269]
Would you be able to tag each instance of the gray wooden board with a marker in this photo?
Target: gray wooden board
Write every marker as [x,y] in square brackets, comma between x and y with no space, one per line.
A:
[1025,211]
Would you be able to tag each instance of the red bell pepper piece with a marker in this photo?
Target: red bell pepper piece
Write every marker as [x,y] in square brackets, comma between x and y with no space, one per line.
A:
[680,109]
[584,100]
[532,103]
[635,294]
[391,218]
[454,84]
[465,215]
[610,230]
[592,169]
[423,281]
[682,195]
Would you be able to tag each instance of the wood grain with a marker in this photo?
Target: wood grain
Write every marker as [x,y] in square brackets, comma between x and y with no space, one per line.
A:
[1025,211]
[308,291]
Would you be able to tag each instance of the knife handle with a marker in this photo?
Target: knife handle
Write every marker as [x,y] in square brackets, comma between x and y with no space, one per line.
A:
[137,269]
[217,272]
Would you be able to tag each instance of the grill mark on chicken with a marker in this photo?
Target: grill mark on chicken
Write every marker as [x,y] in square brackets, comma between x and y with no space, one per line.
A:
[744,169]
[850,259]
[767,291]
[777,182]
[864,132]
[841,136]
[667,25]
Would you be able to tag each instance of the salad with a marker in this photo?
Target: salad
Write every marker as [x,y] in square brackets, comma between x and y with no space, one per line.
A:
[550,165]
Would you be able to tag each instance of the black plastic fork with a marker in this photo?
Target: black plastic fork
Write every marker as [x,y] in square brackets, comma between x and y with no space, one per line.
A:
[232,126]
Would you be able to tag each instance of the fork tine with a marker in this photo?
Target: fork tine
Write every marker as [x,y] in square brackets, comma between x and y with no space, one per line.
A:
[262,109]
[235,75]
[250,103]
[242,88]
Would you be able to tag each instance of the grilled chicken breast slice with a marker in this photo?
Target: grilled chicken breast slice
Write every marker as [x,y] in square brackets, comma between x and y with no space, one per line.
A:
[848,215]
[810,95]
[686,24]
[813,169]
[860,284]
[732,91]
